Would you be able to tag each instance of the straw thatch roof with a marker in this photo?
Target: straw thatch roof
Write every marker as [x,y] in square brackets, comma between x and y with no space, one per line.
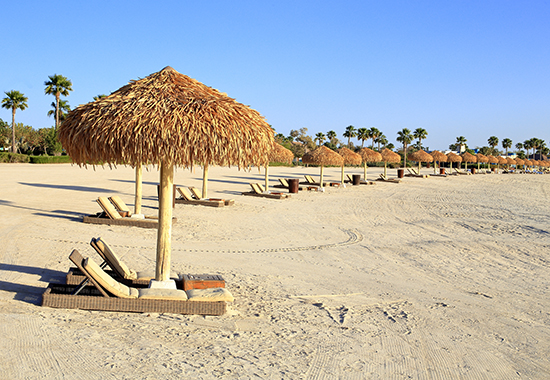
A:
[170,117]
[492,159]
[502,161]
[519,161]
[369,155]
[323,156]
[350,157]
[468,157]
[451,157]
[482,158]
[420,156]
[534,162]
[389,156]
[438,156]
[510,161]
[281,154]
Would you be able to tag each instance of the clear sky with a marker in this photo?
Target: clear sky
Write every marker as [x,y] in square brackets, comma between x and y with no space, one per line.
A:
[472,68]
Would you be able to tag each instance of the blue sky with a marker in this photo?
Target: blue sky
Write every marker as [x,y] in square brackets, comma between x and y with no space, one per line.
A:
[455,68]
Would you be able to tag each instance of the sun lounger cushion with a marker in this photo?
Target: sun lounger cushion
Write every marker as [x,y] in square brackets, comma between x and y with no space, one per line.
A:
[113,260]
[119,203]
[162,294]
[210,294]
[107,282]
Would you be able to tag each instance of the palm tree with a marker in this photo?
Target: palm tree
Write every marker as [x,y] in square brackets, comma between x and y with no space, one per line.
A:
[373,134]
[362,135]
[536,145]
[57,85]
[404,137]
[460,141]
[14,100]
[519,146]
[528,144]
[350,132]
[420,134]
[492,141]
[506,143]
[64,109]
[320,137]
[381,139]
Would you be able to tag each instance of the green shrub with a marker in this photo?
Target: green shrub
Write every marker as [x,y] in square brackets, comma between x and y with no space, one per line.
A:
[50,159]
[13,157]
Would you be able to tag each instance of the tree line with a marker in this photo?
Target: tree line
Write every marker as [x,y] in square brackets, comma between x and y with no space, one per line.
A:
[24,139]
[299,142]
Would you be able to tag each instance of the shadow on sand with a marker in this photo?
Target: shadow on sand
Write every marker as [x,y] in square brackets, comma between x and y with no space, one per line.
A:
[64,187]
[28,293]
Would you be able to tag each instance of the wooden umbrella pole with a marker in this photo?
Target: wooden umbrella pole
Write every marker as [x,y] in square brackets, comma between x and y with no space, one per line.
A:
[419,163]
[139,182]
[365,171]
[205,181]
[267,177]
[322,169]
[342,179]
[435,167]
[385,168]
[164,235]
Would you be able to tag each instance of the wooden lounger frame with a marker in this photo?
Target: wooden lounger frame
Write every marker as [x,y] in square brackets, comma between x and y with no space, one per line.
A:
[386,179]
[257,192]
[96,298]
[187,198]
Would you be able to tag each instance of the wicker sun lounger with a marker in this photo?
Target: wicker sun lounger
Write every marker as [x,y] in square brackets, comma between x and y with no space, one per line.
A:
[412,172]
[387,179]
[109,295]
[197,195]
[119,270]
[187,198]
[311,182]
[258,191]
[111,216]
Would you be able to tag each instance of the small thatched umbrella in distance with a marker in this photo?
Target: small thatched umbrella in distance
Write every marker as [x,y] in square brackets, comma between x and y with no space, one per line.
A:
[350,158]
[278,154]
[510,161]
[468,157]
[438,157]
[420,156]
[519,162]
[389,157]
[451,157]
[167,119]
[323,156]
[481,159]
[369,155]
[501,161]
[492,159]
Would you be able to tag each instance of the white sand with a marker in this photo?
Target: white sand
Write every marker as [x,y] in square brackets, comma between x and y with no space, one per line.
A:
[439,278]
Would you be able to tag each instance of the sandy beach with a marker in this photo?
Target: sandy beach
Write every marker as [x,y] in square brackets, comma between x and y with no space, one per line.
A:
[438,278]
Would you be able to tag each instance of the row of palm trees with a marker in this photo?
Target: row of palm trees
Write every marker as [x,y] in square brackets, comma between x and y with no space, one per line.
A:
[56,85]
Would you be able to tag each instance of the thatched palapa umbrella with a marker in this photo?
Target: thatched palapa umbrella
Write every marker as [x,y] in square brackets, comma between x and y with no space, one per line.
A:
[350,158]
[166,119]
[468,157]
[501,161]
[519,162]
[420,156]
[369,155]
[510,161]
[323,156]
[389,157]
[278,154]
[451,157]
[438,157]
[481,159]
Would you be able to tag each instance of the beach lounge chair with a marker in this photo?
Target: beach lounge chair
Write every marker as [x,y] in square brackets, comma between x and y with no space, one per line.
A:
[119,270]
[187,198]
[362,182]
[387,179]
[283,184]
[121,207]
[413,172]
[259,191]
[311,182]
[461,172]
[111,216]
[107,294]
[197,195]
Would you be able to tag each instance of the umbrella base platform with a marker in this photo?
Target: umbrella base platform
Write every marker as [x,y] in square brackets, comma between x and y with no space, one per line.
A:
[202,281]
[148,222]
